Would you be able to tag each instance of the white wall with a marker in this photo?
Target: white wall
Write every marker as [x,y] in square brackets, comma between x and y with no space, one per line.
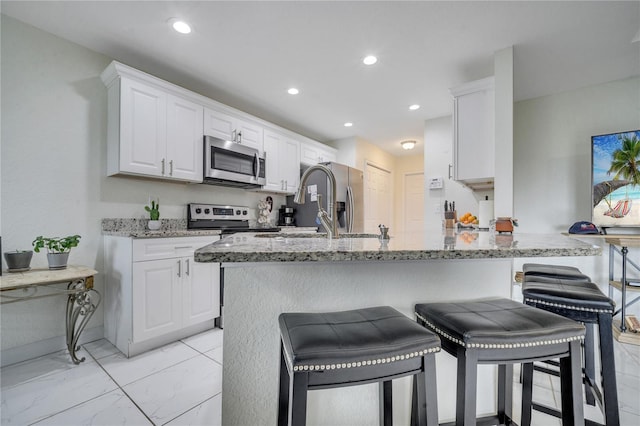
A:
[54,168]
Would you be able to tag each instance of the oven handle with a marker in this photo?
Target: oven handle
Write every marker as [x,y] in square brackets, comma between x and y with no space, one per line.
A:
[256,166]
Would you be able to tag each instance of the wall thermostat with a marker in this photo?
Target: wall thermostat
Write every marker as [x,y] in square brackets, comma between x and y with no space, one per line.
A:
[435,182]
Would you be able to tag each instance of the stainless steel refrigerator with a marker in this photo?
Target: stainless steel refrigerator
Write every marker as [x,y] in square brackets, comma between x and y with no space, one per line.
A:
[350,199]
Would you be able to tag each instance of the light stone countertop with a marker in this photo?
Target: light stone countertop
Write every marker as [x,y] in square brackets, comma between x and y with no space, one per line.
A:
[410,246]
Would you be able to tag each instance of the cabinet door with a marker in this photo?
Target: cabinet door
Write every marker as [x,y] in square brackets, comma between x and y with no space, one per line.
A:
[184,139]
[474,123]
[201,291]
[290,164]
[250,134]
[157,298]
[311,154]
[219,125]
[143,112]
[273,178]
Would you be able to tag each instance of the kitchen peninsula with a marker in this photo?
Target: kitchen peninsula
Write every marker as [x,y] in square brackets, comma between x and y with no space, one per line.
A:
[267,274]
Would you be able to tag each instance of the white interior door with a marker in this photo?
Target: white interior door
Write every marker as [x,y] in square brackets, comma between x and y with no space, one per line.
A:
[378,199]
[413,202]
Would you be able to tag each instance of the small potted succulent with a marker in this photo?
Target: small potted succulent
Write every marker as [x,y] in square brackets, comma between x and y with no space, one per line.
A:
[18,260]
[154,215]
[58,249]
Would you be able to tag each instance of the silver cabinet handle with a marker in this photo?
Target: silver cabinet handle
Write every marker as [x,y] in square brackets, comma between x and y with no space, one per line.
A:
[171,168]
[234,135]
[188,267]
[240,137]
[163,166]
[450,167]
[179,268]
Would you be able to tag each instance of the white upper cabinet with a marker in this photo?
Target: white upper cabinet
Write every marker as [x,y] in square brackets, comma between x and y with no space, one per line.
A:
[314,153]
[474,133]
[153,130]
[231,128]
[283,162]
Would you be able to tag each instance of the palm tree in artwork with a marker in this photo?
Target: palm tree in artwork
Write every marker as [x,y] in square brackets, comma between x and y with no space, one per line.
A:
[625,164]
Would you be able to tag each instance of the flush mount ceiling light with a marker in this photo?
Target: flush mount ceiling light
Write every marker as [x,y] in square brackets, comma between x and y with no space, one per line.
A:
[293,91]
[408,144]
[414,107]
[369,60]
[348,124]
[180,26]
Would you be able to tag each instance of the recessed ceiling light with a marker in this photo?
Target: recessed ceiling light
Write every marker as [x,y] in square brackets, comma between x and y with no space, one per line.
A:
[293,91]
[370,60]
[408,144]
[180,26]
[414,107]
[348,124]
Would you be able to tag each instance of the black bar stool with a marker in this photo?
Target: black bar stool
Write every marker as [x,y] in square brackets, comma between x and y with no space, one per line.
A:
[335,349]
[505,332]
[584,302]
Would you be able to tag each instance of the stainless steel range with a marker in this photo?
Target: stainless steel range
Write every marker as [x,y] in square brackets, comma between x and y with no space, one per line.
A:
[228,219]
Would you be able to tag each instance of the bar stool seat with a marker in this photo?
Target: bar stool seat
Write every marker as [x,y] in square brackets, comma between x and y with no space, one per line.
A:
[504,332]
[335,349]
[584,302]
[542,270]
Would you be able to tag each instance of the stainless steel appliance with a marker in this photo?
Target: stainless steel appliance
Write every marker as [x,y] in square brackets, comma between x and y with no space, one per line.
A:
[349,198]
[228,219]
[229,163]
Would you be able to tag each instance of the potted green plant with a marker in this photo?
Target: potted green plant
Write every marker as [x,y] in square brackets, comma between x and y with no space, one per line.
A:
[58,249]
[18,260]
[154,215]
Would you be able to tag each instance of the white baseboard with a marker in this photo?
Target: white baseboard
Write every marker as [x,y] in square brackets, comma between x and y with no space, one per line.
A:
[47,346]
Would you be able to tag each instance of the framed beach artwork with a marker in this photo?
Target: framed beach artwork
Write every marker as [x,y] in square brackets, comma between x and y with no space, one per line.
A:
[615,178]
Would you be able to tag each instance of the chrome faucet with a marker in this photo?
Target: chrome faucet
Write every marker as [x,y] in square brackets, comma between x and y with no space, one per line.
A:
[329,222]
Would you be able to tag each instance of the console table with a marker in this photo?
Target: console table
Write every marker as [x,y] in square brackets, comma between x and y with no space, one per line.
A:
[82,300]
[624,242]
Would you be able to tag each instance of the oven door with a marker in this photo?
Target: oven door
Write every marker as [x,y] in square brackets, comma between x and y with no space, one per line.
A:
[229,163]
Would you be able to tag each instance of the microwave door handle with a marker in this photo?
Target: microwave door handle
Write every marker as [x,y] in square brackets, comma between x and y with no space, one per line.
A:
[256,166]
[349,209]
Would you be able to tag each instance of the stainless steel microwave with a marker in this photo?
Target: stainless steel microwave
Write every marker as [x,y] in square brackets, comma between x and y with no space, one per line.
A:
[229,163]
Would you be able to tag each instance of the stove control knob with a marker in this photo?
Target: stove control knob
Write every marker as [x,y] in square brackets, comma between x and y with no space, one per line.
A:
[244,212]
[206,211]
[198,210]
[237,212]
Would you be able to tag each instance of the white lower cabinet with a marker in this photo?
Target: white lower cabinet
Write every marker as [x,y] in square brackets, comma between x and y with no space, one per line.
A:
[156,293]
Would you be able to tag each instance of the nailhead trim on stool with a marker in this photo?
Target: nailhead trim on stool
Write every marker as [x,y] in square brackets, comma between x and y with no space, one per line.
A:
[335,349]
[505,332]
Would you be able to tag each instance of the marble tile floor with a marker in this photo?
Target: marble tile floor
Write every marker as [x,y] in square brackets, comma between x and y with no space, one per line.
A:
[178,384]
[181,384]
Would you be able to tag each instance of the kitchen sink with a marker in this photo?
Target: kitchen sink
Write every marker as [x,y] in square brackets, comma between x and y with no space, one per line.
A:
[313,235]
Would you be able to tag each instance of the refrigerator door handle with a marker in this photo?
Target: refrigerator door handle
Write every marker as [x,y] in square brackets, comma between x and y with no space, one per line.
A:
[350,215]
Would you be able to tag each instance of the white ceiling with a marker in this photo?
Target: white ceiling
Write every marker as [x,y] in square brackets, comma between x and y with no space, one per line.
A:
[247,54]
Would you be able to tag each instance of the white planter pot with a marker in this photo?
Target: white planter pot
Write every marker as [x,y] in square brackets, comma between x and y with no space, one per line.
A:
[57,260]
[153,225]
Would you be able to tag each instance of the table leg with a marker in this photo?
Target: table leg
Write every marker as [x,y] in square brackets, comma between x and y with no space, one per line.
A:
[81,305]
[623,288]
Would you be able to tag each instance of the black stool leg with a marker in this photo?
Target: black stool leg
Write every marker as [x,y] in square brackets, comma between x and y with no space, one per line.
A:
[505,393]
[298,399]
[589,363]
[612,416]
[571,386]
[466,387]
[425,412]
[386,403]
[527,393]
[283,397]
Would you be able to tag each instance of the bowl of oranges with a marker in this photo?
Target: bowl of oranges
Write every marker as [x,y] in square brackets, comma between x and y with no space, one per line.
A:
[468,220]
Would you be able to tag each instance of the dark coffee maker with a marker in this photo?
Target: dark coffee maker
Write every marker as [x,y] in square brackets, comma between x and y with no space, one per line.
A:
[286,216]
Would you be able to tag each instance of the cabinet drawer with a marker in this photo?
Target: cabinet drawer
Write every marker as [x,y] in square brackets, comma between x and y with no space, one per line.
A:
[164,248]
